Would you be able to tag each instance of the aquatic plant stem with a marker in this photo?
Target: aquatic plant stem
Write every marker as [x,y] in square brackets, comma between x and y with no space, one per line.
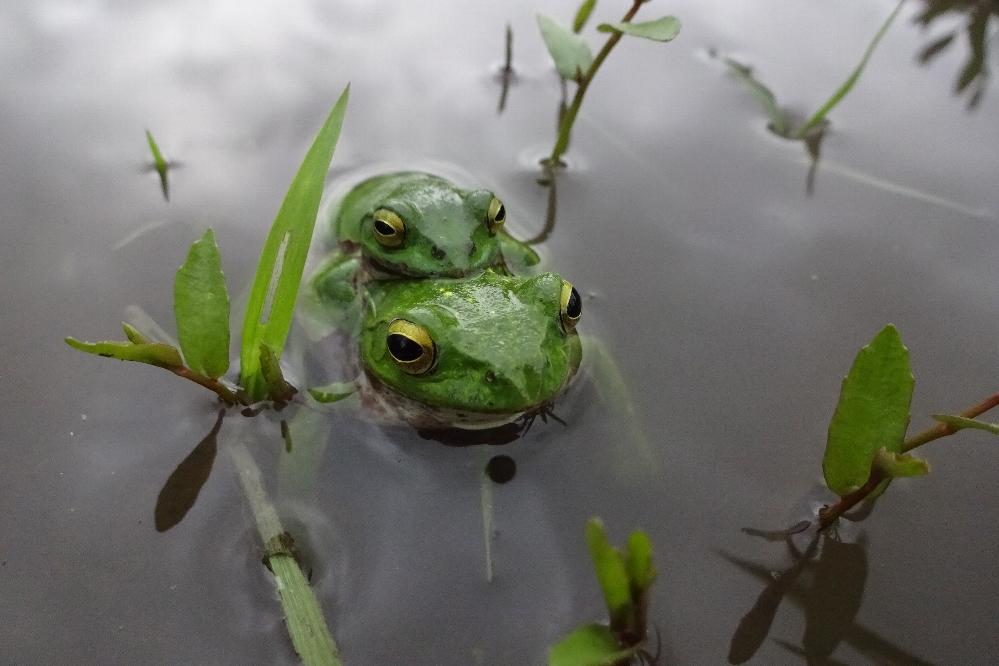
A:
[304,618]
[583,83]
[830,514]
[214,385]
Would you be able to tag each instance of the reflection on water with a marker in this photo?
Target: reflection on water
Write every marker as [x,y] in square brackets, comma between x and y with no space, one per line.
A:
[974,75]
[828,590]
[183,485]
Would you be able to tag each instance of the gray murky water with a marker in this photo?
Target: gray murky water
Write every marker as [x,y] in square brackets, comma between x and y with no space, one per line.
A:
[732,302]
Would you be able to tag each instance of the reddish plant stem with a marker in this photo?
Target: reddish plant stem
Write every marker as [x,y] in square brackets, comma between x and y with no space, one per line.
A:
[214,385]
[830,514]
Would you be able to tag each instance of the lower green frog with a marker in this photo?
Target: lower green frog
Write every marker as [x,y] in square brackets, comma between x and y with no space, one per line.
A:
[476,352]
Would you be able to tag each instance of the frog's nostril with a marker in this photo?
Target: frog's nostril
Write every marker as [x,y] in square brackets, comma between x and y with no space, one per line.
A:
[438,253]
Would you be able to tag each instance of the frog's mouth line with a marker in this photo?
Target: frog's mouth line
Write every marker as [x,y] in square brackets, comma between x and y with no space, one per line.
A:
[381,270]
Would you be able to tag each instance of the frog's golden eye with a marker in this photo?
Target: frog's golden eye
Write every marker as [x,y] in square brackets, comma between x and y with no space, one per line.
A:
[496,216]
[572,307]
[411,347]
[390,230]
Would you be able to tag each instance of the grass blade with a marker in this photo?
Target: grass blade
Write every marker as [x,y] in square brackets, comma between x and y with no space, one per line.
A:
[269,311]
[819,116]
[201,307]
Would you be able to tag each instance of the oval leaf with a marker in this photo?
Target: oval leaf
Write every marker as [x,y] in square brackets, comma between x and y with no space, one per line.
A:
[571,54]
[661,30]
[611,572]
[589,645]
[201,306]
[873,412]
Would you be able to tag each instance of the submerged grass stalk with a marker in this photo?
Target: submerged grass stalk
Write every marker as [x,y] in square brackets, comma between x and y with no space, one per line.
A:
[308,629]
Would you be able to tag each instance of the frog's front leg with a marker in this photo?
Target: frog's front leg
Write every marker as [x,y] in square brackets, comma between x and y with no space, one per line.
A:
[517,255]
[331,300]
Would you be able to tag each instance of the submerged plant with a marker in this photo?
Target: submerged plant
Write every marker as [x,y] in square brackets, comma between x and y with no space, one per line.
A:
[810,131]
[575,61]
[625,580]
[974,75]
[160,164]
[867,447]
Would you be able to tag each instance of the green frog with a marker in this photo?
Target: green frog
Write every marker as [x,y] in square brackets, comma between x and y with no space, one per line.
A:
[475,352]
[408,225]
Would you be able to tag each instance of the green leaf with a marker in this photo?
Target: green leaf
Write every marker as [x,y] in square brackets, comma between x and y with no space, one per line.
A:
[660,30]
[277,388]
[201,307]
[160,163]
[134,335]
[583,14]
[272,298]
[819,116]
[873,412]
[334,392]
[638,561]
[779,123]
[898,465]
[611,572]
[589,645]
[570,52]
[153,353]
[961,422]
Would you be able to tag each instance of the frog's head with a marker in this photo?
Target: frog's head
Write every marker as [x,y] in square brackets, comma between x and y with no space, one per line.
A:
[434,230]
[473,351]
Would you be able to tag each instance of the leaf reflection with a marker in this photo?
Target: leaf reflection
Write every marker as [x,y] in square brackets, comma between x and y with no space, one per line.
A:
[974,75]
[183,485]
[829,590]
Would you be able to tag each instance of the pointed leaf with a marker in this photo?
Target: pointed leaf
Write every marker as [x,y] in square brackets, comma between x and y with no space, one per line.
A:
[201,306]
[134,335]
[589,645]
[277,388]
[898,465]
[583,14]
[570,52]
[660,30]
[610,570]
[282,260]
[873,412]
[638,561]
[960,423]
[160,163]
[779,123]
[153,353]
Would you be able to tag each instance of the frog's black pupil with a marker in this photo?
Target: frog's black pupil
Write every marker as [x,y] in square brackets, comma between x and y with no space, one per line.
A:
[501,469]
[384,228]
[403,349]
[574,307]
[501,213]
